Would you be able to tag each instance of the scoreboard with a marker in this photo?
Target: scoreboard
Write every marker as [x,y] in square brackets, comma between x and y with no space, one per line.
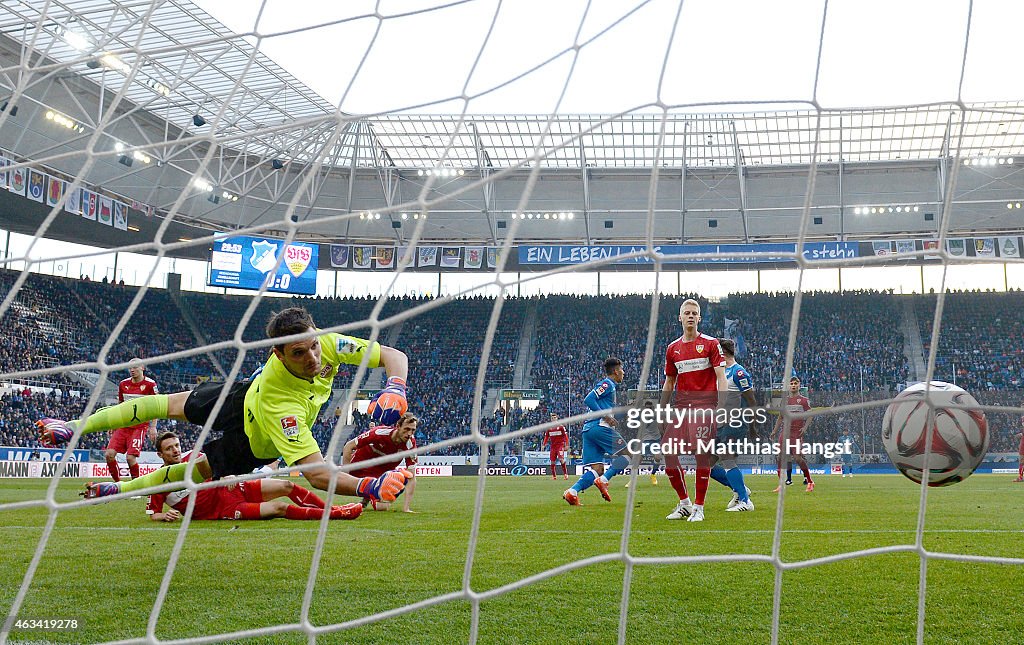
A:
[245,262]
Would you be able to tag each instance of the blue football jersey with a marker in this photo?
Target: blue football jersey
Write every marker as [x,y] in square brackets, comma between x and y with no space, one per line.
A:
[602,397]
[738,378]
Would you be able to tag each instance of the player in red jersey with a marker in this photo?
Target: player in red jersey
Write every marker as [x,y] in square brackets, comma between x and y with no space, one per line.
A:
[128,440]
[248,500]
[790,433]
[1020,453]
[382,441]
[694,381]
[558,437]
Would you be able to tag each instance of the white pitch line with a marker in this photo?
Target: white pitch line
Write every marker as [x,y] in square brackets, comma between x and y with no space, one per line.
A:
[224,528]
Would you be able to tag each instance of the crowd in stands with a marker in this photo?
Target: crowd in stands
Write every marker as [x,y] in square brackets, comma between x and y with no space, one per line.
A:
[848,348]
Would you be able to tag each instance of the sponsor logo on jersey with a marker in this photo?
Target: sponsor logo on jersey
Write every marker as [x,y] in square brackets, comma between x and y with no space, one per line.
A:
[290,426]
[326,370]
[693,364]
[346,346]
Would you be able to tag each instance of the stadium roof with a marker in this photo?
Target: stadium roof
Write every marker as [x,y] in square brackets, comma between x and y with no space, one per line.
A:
[169,60]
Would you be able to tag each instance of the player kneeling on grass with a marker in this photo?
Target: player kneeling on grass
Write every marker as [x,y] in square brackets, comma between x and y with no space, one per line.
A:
[247,500]
[267,416]
[600,437]
[378,442]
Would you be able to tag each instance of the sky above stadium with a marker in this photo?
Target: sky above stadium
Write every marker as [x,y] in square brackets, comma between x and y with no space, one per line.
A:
[517,57]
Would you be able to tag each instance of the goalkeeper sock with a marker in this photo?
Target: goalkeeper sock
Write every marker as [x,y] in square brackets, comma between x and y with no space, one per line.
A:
[719,475]
[735,476]
[585,482]
[124,415]
[304,497]
[175,473]
[619,464]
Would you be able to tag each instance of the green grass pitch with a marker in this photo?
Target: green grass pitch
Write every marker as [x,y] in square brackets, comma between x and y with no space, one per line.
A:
[103,564]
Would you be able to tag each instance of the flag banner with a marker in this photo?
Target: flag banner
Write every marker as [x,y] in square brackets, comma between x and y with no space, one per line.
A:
[362,257]
[105,215]
[931,245]
[427,256]
[882,248]
[55,190]
[492,258]
[405,255]
[121,216]
[957,248]
[17,181]
[36,185]
[985,247]
[474,257]
[450,256]
[4,173]
[905,246]
[89,205]
[339,255]
[74,203]
[384,257]
[1009,247]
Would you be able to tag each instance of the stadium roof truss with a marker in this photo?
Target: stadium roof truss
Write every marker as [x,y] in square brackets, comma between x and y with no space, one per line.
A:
[135,72]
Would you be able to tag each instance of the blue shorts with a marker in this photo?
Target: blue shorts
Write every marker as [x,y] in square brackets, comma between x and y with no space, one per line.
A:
[599,441]
[731,433]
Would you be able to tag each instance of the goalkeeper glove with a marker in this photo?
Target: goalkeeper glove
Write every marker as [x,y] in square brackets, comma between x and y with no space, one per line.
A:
[385,488]
[388,405]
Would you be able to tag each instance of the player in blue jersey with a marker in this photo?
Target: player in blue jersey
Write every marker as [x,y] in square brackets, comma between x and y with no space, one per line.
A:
[850,448]
[740,395]
[600,437]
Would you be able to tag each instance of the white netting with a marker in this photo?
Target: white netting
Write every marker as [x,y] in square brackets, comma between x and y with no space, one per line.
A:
[257,113]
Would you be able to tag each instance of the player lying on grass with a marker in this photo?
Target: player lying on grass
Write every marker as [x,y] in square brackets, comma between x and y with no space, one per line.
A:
[256,499]
[378,442]
[262,418]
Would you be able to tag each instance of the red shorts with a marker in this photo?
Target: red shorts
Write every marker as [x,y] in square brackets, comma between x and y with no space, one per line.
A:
[691,434]
[127,441]
[558,454]
[229,499]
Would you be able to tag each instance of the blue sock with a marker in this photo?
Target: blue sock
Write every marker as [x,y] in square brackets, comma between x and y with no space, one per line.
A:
[619,464]
[584,482]
[735,476]
[718,474]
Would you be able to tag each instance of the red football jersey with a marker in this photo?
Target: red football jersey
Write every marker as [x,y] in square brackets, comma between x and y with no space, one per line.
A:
[129,389]
[798,403]
[557,437]
[377,442]
[206,500]
[693,364]
[1020,449]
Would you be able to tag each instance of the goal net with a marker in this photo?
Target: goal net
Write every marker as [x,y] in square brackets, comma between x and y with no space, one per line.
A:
[467,157]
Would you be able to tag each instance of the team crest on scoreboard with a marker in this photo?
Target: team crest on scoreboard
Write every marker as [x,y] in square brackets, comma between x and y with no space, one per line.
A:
[264,256]
[297,258]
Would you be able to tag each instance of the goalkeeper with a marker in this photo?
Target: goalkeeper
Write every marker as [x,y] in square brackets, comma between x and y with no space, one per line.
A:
[264,417]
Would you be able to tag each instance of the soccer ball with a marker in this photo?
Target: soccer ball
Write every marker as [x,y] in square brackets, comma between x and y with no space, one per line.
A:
[959,434]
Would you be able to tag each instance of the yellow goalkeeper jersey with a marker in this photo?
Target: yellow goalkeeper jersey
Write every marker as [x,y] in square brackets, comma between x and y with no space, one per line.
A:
[280,408]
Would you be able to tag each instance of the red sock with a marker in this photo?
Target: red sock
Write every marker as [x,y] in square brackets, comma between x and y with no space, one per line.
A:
[1020,471]
[806,471]
[675,476]
[134,470]
[304,497]
[565,469]
[303,512]
[247,511]
[115,469]
[703,477]
[554,469]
